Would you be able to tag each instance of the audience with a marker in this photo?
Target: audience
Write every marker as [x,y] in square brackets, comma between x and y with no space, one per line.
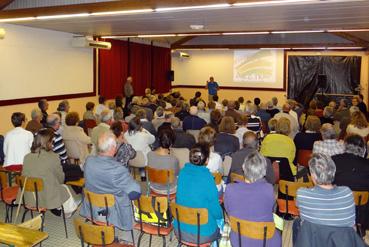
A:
[252,200]
[231,112]
[254,122]
[89,113]
[35,125]
[242,128]
[327,115]
[329,145]
[182,139]
[101,106]
[225,142]
[202,113]
[105,121]
[193,122]
[196,180]
[215,118]
[44,106]
[146,124]
[63,108]
[305,140]
[294,125]
[271,110]
[183,112]
[362,105]
[207,137]
[125,151]
[358,125]
[159,117]
[262,113]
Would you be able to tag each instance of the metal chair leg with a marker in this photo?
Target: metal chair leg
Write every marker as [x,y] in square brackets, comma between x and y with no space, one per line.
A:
[139,239]
[6,213]
[11,214]
[150,240]
[43,221]
[133,238]
[65,223]
[24,214]
[164,241]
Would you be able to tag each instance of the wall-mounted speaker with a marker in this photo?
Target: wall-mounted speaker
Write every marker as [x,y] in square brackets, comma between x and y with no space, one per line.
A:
[170,75]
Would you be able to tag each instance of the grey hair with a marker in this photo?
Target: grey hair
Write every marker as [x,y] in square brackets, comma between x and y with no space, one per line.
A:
[354,144]
[250,140]
[35,113]
[323,168]
[328,131]
[106,141]
[52,120]
[328,111]
[105,116]
[254,166]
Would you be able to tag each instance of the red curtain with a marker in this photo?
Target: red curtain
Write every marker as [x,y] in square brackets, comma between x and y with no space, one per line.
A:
[113,69]
[161,68]
[140,66]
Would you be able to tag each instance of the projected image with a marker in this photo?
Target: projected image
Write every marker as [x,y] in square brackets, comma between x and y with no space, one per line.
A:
[256,66]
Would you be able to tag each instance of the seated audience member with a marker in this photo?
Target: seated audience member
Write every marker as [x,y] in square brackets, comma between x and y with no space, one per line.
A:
[183,112]
[294,125]
[252,200]
[105,175]
[63,108]
[196,180]
[119,117]
[207,137]
[183,139]
[44,106]
[272,125]
[125,151]
[89,113]
[305,140]
[218,106]
[111,107]
[17,142]
[262,113]
[215,118]
[275,104]
[280,144]
[362,105]
[242,128]
[167,121]
[118,102]
[241,100]
[225,142]
[293,105]
[195,100]
[337,201]
[145,106]
[106,120]
[329,145]
[146,124]
[327,115]
[101,106]
[224,105]
[43,163]
[271,110]
[358,125]
[342,111]
[159,117]
[161,159]
[138,137]
[254,122]
[250,143]
[35,125]
[202,113]
[76,140]
[355,102]
[231,112]
[193,122]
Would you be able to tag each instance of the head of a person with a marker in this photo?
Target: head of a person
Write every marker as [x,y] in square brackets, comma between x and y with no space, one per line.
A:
[119,101]
[211,105]
[53,121]
[355,101]
[129,79]
[241,100]
[43,140]
[250,140]
[43,105]
[147,91]
[134,125]
[270,105]
[175,123]
[286,108]
[159,112]
[136,100]
[201,106]
[355,144]
[361,98]
[90,106]
[211,79]
[231,105]
[328,132]
[63,106]
[275,101]
[215,98]
[227,125]
[243,120]
[117,129]
[283,126]
[111,105]
[292,103]
[257,101]
[332,104]
[215,117]
[250,109]
[166,138]
[254,167]
[225,102]
[313,105]
[328,112]
[313,123]
[18,119]
[145,101]
[272,124]
[72,118]
[358,120]
[118,114]
[193,110]
[101,100]
[199,154]
[343,103]
[36,115]
[207,136]
[107,144]
[141,113]
[197,94]
[106,117]
[322,169]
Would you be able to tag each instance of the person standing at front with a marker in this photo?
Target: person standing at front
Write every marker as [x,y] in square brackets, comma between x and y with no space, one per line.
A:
[212,87]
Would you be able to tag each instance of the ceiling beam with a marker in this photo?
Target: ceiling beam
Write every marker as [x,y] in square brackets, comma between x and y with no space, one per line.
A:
[256,46]
[356,40]
[178,43]
[4,3]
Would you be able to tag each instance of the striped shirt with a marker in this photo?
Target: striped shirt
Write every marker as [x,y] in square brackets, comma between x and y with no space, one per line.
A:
[334,207]
[59,147]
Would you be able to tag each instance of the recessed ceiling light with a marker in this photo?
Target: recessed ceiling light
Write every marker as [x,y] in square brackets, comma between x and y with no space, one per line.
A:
[347,30]
[298,31]
[47,17]
[245,33]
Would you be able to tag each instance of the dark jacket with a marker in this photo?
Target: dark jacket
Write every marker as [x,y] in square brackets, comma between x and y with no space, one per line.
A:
[183,140]
[305,140]
[149,127]
[193,123]
[226,144]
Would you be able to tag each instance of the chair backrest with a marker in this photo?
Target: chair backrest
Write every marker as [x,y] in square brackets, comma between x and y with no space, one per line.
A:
[227,162]
[195,133]
[360,197]
[290,188]
[139,160]
[217,177]
[31,184]
[303,157]
[3,180]
[250,229]
[160,176]
[99,200]
[275,165]
[93,234]
[236,177]
[285,172]
[182,154]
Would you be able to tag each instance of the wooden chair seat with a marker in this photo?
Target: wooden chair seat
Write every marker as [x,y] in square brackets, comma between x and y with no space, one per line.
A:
[153,230]
[115,244]
[78,183]
[171,196]
[292,209]
[195,245]
[10,194]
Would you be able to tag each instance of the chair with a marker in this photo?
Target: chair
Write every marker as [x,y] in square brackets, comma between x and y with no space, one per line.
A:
[303,157]
[191,216]
[218,181]
[77,183]
[195,133]
[35,185]
[182,154]
[285,172]
[236,177]
[275,165]
[8,194]
[250,229]
[361,199]
[95,235]
[289,189]
[89,124]
[139,161]
[162,177]
[148,205]
[101,201]
[227,162]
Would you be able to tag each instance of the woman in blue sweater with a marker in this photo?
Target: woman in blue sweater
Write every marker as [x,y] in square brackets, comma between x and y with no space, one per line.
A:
[196,189]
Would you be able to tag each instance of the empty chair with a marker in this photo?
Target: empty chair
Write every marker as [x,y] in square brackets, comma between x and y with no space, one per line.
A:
[8,196]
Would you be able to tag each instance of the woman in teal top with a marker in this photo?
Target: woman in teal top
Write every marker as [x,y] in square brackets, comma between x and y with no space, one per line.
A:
[196,189]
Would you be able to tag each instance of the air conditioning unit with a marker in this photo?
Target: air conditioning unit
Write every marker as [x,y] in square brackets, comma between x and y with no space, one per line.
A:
[2,33]
[180,54]
[88,42]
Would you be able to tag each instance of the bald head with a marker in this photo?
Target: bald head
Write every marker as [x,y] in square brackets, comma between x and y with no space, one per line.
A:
[53,121]
[286,107]
[106,144]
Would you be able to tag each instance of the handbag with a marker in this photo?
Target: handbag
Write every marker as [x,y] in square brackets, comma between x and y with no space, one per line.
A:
[71,204]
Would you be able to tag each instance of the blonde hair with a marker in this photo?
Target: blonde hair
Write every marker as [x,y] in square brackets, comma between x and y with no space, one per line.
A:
[313,123]
[283,126]
[358,120]
[207,136]
[227,125]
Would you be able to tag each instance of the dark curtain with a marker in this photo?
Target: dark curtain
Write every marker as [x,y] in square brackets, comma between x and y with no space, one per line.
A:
[342,73]
[113,69]
[140,67]
[161,67]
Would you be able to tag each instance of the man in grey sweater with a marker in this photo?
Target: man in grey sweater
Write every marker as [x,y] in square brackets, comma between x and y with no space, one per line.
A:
[128,91]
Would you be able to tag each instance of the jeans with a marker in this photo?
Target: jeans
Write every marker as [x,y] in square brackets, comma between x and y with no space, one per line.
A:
[295,229]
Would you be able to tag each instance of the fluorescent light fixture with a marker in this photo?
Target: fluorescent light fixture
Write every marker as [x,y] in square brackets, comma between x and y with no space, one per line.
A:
[245,33]
[210,6]
[122,12]
[18,19]
[275,48]
[197,34]
[261,3]
[155,35]
[347,30]
[118,37]
[344,48]
[298,31]
[309,48]
[48,17]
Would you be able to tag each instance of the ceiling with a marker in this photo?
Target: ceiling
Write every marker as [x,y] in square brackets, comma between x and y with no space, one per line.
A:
[313,15]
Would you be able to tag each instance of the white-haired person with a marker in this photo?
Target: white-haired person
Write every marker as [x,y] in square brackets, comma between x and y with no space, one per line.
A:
[329,145]
[202,112]
[252,200]
[34,124]
[106,119]
[193,122]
